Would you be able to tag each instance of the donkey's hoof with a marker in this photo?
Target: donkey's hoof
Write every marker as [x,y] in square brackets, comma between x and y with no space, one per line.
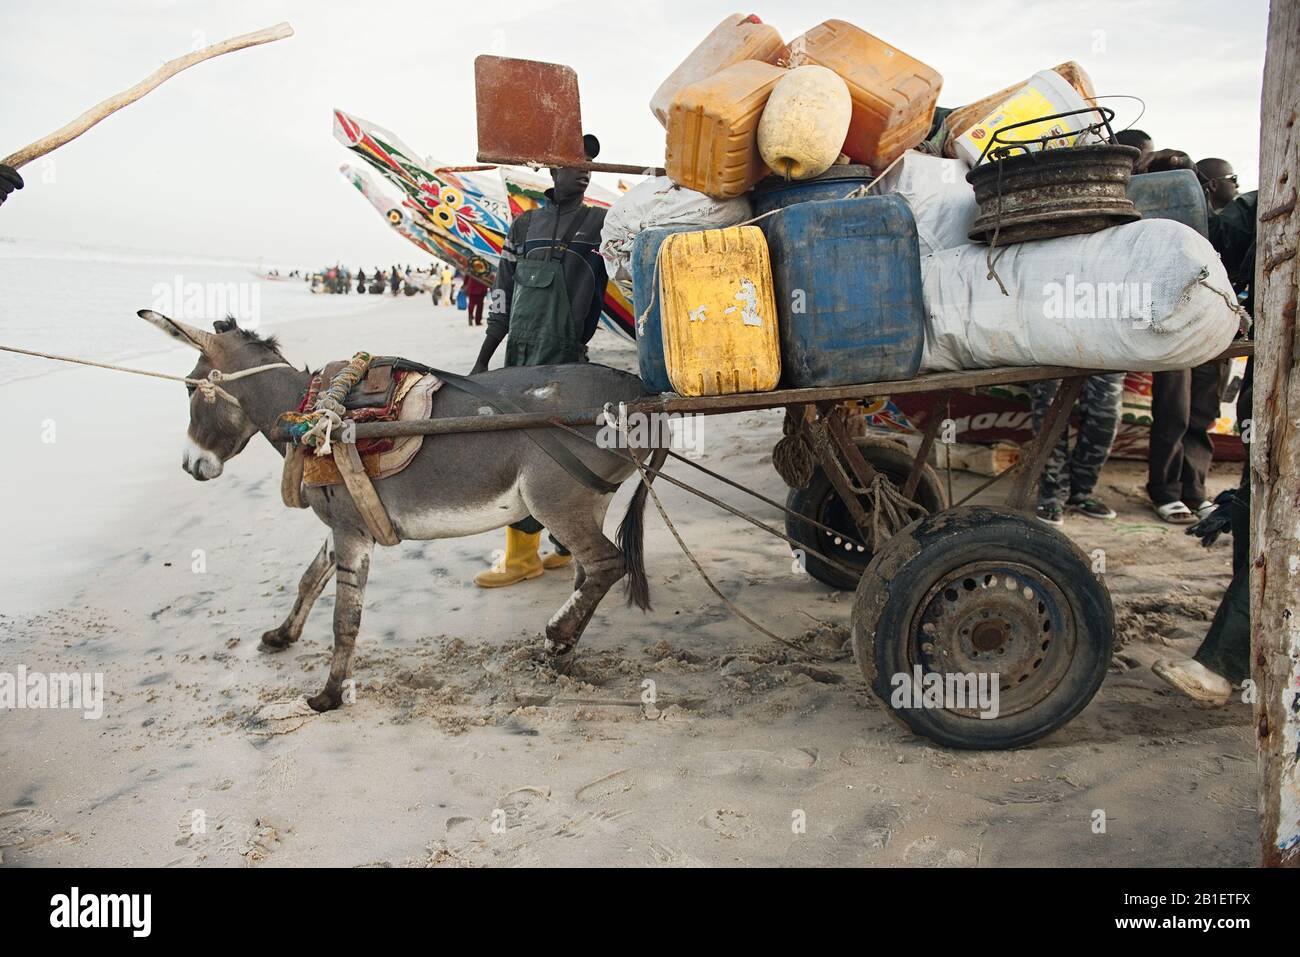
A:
[277,639]
[559,657]
[325,701]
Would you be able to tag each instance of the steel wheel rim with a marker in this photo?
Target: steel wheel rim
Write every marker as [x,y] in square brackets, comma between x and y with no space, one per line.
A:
[842,544]
[996,617]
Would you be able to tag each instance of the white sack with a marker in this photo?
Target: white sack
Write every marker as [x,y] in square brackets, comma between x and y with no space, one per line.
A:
[660,202]
[942,202]
[1143,297]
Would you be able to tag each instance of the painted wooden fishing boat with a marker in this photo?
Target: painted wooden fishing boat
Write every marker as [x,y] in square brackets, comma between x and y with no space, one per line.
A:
[455,215]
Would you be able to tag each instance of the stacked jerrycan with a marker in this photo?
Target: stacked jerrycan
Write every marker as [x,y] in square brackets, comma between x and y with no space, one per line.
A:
[1174,194]
[719,312]
[825,290]
[848,290]
[893,94]
[647,305]
[734,40]
[713,130]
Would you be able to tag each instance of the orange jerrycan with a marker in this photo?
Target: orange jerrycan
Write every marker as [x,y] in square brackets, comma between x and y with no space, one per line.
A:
[719,312]
[894,95]
[735,39]
[713,130]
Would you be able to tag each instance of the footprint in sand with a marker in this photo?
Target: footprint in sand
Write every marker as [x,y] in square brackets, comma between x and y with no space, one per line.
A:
[25,830]
[523,805]
[611,785]
[728,823]
[280,717]
[722,763]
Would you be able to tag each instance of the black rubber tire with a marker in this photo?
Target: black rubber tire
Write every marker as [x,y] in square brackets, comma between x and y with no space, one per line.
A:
[819,501]
[891,600]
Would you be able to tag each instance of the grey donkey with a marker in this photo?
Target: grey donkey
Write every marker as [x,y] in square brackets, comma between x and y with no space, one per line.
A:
[458,484]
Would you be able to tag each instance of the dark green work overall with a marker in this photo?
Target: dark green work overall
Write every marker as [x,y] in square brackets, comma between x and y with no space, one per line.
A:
[543,329]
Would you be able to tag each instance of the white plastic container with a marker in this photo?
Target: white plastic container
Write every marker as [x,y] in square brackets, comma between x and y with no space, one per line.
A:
[804,123]
[1046,93]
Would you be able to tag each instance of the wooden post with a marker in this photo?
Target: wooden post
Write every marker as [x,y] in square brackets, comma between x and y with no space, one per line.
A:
[1275,448]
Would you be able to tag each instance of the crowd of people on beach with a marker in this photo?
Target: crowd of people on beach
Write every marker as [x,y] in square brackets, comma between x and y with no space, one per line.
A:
[446,286]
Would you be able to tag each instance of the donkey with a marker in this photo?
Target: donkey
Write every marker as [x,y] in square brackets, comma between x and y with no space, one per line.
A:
[457,484]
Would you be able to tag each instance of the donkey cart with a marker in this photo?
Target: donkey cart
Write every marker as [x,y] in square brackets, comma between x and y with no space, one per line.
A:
[942,589]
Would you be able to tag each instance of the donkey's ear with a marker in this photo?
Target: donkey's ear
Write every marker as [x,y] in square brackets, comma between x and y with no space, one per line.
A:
[225,325]
[195,338]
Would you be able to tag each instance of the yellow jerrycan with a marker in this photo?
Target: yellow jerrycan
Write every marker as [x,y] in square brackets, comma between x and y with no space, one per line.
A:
[713,130]
[719,312]
[735,39]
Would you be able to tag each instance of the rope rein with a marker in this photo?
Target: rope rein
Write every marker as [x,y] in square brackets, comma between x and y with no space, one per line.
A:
[209,387]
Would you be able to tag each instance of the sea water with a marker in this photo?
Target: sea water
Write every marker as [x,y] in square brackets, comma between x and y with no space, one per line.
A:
[81,300]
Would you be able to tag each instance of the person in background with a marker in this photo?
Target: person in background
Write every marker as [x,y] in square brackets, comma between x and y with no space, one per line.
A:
[394,281]
[475,293]
[553,253]
[1160,161]
[361,280]
[446,285]
[1069,477]
[1139,140]
[1184,404]
[9,181]
[1219,182]
[1223,660]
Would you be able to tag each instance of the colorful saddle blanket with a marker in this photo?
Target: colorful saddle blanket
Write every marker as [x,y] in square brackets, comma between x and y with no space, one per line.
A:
[386,394]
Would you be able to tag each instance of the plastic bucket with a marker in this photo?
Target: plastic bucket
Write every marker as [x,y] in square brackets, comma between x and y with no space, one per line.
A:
[1046,93]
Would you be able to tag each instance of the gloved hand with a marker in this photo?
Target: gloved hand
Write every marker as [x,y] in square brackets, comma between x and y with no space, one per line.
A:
[9,181]
[1217,522]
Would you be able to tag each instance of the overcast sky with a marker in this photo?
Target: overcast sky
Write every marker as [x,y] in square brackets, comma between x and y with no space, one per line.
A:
[236,158]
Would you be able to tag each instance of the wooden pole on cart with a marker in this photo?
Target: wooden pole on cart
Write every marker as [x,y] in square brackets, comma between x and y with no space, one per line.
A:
[1275,448]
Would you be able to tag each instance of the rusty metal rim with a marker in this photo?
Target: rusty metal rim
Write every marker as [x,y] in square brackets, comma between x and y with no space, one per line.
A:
[1036,616]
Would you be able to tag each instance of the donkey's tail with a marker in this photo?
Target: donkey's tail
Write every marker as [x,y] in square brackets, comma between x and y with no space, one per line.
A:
[631,536]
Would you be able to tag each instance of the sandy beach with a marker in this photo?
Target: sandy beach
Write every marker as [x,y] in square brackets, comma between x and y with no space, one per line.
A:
[459,751]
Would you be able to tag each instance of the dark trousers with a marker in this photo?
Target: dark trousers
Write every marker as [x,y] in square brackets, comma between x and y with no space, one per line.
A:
[531,526]
[1071,476]
[1184,404]
[475,310]
[1226,648]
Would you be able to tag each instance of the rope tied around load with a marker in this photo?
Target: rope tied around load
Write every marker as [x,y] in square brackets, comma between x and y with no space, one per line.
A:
[1203,279]
[316,428]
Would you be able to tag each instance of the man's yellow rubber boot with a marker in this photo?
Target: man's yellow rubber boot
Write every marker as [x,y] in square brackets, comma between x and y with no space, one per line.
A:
[556,559]
[520,563]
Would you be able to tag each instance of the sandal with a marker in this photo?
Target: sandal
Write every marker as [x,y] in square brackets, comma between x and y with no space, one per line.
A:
[1175,513]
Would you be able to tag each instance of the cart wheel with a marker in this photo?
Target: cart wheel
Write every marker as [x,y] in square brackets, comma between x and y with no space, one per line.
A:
[819,501]
[983,590]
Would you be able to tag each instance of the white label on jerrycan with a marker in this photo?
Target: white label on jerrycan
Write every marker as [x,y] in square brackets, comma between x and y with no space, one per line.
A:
[748,295]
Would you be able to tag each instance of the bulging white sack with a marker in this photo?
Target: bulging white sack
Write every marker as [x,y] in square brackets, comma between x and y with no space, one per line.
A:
[660,202]
[1143,297]
[942,202]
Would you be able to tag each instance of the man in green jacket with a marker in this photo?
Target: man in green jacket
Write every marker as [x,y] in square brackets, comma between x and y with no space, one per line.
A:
[546,304]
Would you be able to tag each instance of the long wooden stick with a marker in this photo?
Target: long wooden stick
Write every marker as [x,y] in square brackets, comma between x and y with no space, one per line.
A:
[114,103]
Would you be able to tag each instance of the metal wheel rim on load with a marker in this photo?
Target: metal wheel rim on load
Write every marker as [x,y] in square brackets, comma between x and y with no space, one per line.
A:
[1044,193]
